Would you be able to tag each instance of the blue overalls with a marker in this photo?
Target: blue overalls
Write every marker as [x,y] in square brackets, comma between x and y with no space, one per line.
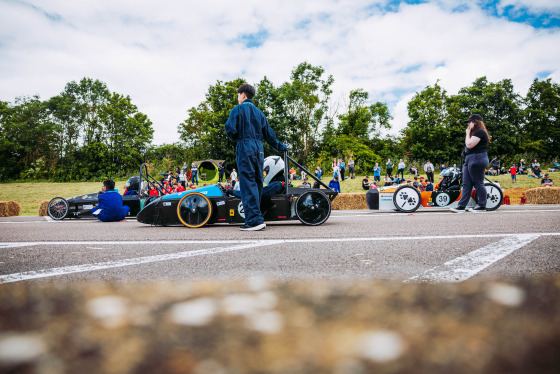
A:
[248,126]
[110,207]
[194,172]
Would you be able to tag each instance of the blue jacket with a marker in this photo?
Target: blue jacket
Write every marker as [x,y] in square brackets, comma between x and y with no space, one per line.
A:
[110,207]
[334,185]
[247,122]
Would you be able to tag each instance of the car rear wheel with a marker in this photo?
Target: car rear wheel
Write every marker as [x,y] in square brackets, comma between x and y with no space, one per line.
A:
[194,210]
[313,208]
[407,199]
[494,198]
[58,208]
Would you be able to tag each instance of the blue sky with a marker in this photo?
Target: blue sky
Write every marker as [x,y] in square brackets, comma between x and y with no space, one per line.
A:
[166,54]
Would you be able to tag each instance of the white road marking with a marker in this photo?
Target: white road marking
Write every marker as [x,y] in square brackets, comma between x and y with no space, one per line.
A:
[455,270]
[436,211]
[464,267]
[28,275]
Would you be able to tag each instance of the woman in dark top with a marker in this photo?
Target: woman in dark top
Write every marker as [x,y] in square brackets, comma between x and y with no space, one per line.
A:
[476,160]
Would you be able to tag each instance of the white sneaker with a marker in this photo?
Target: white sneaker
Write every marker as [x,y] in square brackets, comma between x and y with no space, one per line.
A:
[262,226]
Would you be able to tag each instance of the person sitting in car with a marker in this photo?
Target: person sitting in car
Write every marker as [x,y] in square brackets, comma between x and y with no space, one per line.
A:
[110,207]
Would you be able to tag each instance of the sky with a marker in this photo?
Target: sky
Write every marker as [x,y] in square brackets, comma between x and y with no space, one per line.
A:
[165,54]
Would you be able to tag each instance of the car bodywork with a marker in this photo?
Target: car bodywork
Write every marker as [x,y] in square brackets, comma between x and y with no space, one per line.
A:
[211,204]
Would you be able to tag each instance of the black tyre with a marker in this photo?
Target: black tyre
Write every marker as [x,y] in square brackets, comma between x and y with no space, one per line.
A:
[194,210]
[494,198]
[313,208]
[58,208]
[407,199]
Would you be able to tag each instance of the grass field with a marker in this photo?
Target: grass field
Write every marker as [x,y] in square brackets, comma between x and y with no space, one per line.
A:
[30,195]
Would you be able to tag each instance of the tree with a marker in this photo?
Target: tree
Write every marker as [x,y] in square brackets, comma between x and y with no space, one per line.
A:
[501,111]
[541,133]
[427,134]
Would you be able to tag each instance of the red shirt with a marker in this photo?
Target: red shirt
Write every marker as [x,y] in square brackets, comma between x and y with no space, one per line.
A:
[154,192]
[180,188]
[513,171]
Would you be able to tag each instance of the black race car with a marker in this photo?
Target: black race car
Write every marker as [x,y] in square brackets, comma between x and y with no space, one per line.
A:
[80,206]
[213,204]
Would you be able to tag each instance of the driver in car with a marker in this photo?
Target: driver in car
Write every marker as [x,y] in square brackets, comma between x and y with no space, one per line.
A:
[110,207]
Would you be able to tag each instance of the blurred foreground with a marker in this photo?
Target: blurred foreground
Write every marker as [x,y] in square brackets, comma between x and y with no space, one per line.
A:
[260,326]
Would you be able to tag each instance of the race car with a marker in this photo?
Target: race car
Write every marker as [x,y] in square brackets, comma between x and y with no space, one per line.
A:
[214,204]
[408,198]
[80,206]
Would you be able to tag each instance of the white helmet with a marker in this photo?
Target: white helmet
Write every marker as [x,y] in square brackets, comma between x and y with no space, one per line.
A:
[273,165]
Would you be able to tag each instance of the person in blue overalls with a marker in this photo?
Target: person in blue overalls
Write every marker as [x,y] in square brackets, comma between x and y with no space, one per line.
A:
[248,126]
[194,172]
[110,207]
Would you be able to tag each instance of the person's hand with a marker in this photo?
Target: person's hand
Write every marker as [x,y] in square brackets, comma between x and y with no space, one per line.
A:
[283,147]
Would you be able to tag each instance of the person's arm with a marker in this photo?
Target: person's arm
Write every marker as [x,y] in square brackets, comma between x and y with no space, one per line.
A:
[270,136]
[232,129]
[470,141]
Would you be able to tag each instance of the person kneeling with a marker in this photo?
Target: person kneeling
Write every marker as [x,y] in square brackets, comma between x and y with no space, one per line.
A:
[110,207]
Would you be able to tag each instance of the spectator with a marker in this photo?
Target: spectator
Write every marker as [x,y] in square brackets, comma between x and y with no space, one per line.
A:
[491,171]
[495,164]
[438,185]
[292,173]
[377,173]
[335,184]
[317,185]
[441,168]
[185,168]
[177,187]
[373,186]
[191,186]
[351,169]
[556,165]
[416,183]
[521,167]
[388,180]
[182,178]
[535,164]
[305,183]
[513,172]
[110,206]
[237,186]
[303,175]
[546,181]
[366,183]
[389,165]
[318,172]
[194,173]
[422,181]
[429,169]
[429,186]
[537,171]
[342,168]
[153,191]
[401,167]
[413,170]
[221,171]
[233,176]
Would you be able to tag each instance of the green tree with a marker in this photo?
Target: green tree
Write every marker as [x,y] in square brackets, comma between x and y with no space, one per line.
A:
[427,134]
[541,133]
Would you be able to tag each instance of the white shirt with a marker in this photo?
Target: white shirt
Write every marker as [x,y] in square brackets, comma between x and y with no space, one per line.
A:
[233,175]
[402,165]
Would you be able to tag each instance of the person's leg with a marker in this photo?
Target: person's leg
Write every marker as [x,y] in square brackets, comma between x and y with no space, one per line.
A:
[467,184]
[250,159]
[476,171]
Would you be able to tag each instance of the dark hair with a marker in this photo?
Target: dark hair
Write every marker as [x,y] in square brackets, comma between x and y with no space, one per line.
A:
[478,125]
[248,90]
[110,184]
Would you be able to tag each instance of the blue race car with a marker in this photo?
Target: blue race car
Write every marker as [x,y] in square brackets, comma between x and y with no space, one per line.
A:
[214,204]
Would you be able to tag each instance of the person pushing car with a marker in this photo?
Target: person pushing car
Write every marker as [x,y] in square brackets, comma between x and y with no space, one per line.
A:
[248,126]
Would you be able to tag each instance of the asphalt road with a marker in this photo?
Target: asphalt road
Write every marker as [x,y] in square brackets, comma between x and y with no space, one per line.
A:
[427,246]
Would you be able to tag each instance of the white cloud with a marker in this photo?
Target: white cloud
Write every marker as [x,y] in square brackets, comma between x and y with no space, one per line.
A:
[166,54]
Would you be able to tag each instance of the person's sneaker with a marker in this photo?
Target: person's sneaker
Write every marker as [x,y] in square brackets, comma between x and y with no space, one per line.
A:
[262,226]
[458,209]
[478,209]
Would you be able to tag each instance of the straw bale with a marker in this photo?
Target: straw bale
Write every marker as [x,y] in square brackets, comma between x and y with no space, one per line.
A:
[43,208]
[9,209]
[543,195]
[348,201]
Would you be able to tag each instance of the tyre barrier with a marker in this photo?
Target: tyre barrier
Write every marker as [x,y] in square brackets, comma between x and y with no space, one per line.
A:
[9,209]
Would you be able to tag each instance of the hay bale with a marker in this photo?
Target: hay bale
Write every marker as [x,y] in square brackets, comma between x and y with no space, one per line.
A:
[349,201]
[543,195]
[43,208]
[9,209]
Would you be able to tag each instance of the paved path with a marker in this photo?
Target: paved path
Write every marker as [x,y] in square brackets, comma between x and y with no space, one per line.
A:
[433,246]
